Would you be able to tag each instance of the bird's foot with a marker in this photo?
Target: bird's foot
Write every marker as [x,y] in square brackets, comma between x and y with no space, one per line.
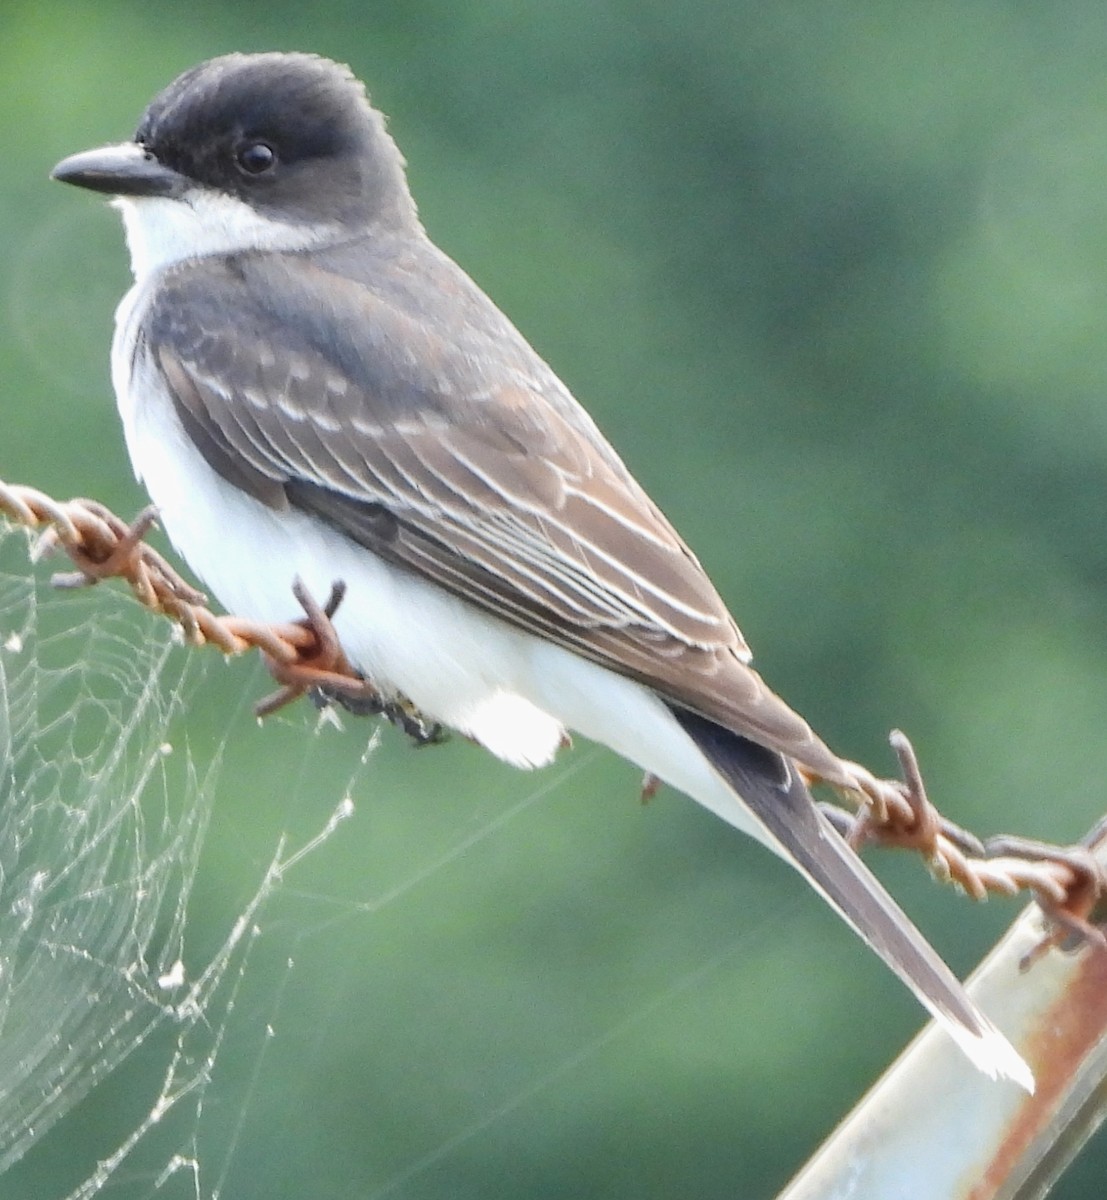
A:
[372,703]
[420,728]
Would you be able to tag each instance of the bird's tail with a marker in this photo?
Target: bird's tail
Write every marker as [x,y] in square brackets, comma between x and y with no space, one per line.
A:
[777,797]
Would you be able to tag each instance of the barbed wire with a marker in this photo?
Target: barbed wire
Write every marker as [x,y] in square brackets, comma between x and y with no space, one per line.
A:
[305,657]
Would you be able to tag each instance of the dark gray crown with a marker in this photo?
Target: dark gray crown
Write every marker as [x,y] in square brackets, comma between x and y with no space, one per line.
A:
[332,157]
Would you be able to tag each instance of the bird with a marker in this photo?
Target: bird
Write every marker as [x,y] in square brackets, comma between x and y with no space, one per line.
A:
[310,388]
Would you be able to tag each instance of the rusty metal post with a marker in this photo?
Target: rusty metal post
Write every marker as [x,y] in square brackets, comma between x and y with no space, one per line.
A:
[934,1129]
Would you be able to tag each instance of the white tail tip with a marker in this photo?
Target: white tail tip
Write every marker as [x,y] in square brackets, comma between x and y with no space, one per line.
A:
[993,1054]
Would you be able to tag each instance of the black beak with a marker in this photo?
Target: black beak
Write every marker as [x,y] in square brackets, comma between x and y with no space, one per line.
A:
[124,170]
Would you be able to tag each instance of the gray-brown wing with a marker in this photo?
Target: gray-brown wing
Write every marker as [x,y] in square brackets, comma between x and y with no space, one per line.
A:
[462,459]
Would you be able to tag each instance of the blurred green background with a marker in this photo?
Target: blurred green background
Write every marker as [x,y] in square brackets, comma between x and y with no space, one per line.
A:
[833,278]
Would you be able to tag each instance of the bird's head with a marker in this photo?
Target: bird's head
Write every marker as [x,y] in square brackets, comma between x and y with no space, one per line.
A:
[250,152]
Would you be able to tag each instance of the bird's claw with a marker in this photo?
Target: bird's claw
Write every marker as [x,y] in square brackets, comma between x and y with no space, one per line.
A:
[369,702]
[406,717]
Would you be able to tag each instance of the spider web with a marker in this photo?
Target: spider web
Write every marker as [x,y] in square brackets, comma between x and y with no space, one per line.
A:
[129,990]
[102,822]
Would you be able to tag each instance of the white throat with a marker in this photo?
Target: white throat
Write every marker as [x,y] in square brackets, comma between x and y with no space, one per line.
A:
[162,232]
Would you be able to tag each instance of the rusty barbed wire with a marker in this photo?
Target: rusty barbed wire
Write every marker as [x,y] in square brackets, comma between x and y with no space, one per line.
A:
[305,656]
[1068,882]
[301,655]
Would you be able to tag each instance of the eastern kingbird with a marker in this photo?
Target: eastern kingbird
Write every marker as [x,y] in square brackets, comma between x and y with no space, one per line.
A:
[310,387]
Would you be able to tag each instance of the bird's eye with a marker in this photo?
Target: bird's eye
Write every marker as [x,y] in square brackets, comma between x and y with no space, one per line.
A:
[255,158]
